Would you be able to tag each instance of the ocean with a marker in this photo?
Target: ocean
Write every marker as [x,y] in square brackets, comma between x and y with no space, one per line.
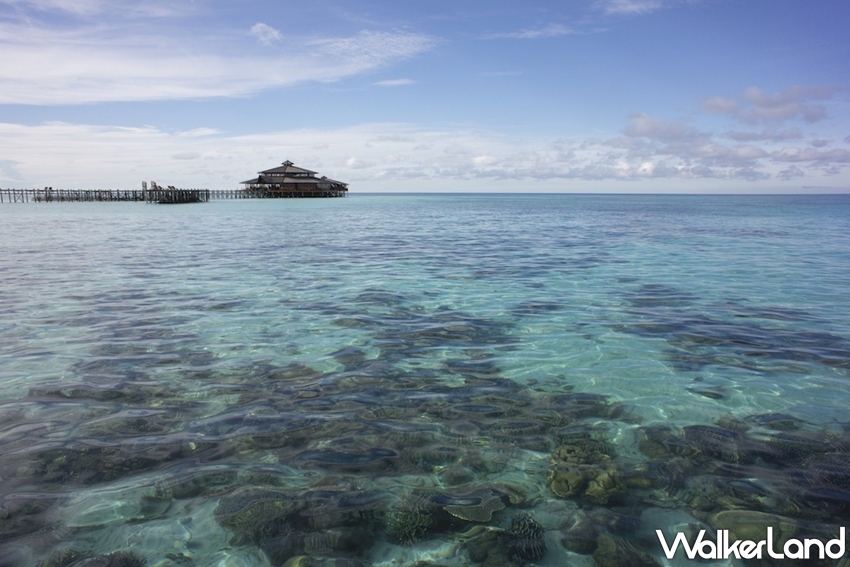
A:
[429,379]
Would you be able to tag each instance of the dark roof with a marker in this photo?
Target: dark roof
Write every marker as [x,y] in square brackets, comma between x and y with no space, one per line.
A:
[291,180]
[288,167]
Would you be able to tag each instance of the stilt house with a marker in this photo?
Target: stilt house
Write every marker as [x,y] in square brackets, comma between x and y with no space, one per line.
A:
[291,181]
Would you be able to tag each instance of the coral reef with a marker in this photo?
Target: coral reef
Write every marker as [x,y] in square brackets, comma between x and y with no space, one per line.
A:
[583,470]
[311,468]
[410,521]
[525,539]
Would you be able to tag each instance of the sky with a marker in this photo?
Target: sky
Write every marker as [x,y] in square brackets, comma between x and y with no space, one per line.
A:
[623,96]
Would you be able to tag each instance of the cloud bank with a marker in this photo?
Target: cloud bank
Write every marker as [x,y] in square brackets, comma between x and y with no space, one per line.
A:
[755,106]
[391,156]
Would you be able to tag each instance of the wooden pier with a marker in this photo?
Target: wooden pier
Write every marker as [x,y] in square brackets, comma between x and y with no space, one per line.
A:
[51,195]
[285,182]
[171,195]
[157,194]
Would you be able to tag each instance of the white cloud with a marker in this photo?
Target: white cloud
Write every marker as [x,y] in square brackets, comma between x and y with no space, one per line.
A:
[394,158]
[80,7]
[623,143]
[592,24]
[395,83]
[371,49]
[484,160]
[391,138]
[649,141]
[645,169]
[769,134]
[791,173]
[715,155]
[88,8]
[757,106]
[198,132]
[749,153]
[748,174]
[794,154]
[94,65]
[790,103]
[719,104]
[552,30]
[355,163]
[630,6]
[8,172]
[265,34]
[187,155]
[646,126]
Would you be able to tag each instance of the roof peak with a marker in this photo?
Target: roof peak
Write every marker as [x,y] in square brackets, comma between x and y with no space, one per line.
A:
[288,168]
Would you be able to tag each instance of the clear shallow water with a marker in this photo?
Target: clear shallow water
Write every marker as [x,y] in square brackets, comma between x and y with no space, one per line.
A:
[391,379]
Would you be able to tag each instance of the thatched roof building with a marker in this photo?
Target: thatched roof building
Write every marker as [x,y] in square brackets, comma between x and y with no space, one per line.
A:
[291,181]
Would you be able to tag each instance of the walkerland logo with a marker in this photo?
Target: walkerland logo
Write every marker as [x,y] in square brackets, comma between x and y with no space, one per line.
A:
[721,548]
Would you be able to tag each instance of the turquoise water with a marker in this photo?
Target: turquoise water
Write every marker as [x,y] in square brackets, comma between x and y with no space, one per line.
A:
[443,379]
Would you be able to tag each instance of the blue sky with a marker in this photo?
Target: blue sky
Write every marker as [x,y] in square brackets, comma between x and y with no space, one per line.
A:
[730,96]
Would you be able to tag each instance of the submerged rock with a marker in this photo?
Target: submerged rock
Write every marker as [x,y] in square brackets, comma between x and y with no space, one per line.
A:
[776,421]
[115,559]
[64,557]
[732,423]
[255,513]
[617,552]
[752,525]
[478,508]
[797,448]
[308,561]
[580,538]
[456,475]
[23,514]
[714,442]
[622,521]
[369,460]
[485,548]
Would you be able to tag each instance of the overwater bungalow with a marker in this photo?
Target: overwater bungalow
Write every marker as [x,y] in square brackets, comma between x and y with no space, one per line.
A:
[291,181]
